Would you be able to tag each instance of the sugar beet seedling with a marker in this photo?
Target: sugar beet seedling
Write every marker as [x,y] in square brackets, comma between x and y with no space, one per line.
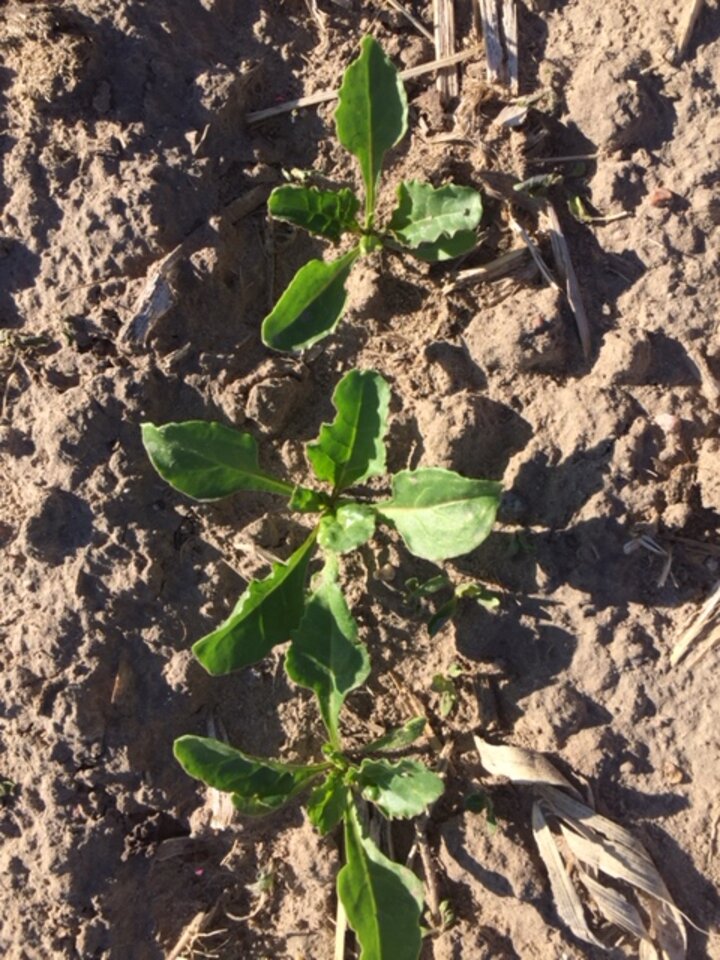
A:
[438,513]
[383,900]
[430,223]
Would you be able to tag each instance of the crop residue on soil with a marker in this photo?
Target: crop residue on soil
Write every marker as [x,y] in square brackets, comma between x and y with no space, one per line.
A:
[123,137]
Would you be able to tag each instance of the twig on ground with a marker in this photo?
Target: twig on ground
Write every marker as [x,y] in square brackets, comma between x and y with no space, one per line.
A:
[707,618]
[563,262]
[444,39]
[324,96]
[499,267]
[686,27]
[521,232]
[419,26]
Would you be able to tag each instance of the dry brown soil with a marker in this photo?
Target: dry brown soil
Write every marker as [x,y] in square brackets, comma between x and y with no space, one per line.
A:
[122,136]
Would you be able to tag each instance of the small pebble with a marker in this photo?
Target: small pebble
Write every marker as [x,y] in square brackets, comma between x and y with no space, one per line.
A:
[661,197]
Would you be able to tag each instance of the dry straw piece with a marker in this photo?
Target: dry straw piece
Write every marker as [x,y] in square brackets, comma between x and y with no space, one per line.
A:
[592,861]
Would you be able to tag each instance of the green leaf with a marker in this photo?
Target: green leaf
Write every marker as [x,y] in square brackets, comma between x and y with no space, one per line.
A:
[207,460]
[311,306]
[440,514]
[351,448]
[448,694]
[308,501]
[477,591]
[383,900]
[402,789]
[352,525]
[425,214]
[399,738]
[328,213]
[372,114]
[442,615]
[257,786]
[325,656]
[446,248]
[265,615]
[327,803]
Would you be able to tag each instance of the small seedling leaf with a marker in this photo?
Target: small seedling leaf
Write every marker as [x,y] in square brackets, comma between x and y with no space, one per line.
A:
[311,306]
[352,525]
[372,113]
[328,213]
[402,789]
[448,694]
[265,615]
[351,448]
[383,900]
[207,460]
[327,802]
[440,514]
[325,656]
[399,738]
[426,214]
[257,786]
[308,501]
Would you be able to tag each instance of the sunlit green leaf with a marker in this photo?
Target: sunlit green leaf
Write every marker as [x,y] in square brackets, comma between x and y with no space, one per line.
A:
[257,786]
[325,655]
[351,448]
[352,525]
[207,460]
[400,789]
[399,738]
[383,901]
[327,803]
[372,113]
[446,248]
[311,306]
[265,615]
[426,214]
[328,213]
[440,514]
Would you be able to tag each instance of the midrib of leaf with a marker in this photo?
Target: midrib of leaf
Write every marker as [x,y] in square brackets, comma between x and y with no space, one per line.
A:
[353,424]
[382,508]
[372,178]
[365,860]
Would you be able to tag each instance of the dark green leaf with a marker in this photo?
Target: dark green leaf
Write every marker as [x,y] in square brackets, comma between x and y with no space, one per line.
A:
[425,214]
[402,789]
[383,900]
[372,113]
[265,615]
[207,460]
[325,656]
[399,738]
[351,448]
[481,803]
[476,591]
[311,306]
[328,213]
[440,514]
[442,616]
[257,786]
[327,803]
[352,525]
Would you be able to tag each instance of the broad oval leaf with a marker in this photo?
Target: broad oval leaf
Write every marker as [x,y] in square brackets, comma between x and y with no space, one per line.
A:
[352,525]
[440,514]
[352,448]
[383,900]
[402,789]
[327,803]
[328,213]
[399,738]
[372,113]
[257,786]
[311,306]
[207,460]
[426,214]
[265,615]
[325,656]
